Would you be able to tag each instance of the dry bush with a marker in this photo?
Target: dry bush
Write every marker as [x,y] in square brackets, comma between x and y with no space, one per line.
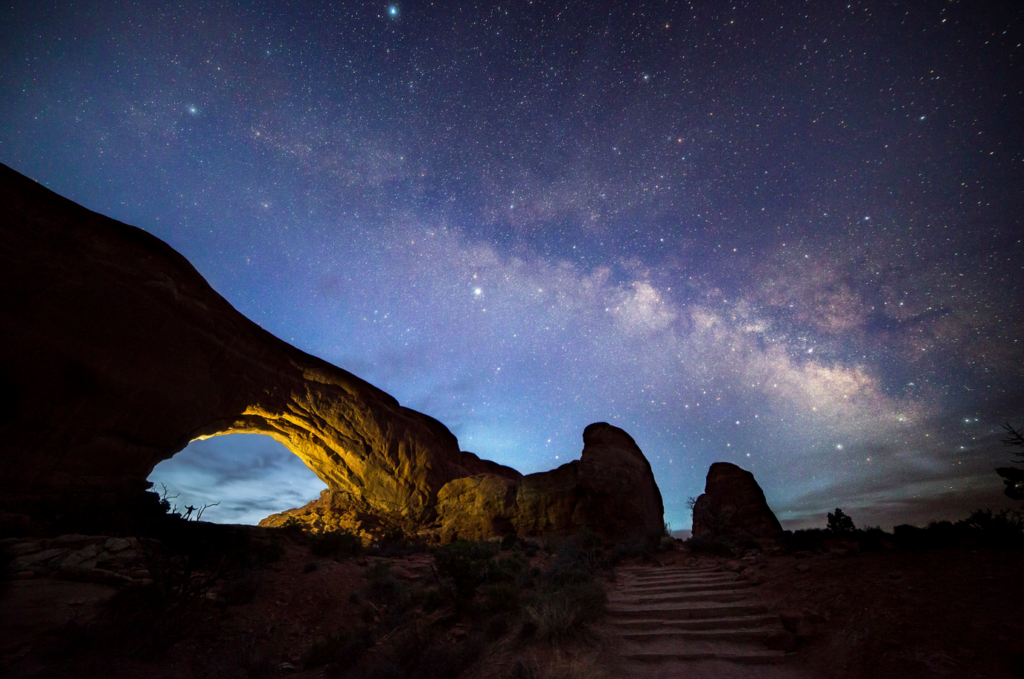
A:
[558,667]
[563,613]
[342,649]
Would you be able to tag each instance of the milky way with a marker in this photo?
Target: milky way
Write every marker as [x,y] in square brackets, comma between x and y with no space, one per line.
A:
[786,235]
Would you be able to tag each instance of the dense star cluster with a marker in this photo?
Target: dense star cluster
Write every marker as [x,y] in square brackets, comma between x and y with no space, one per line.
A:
[785,235]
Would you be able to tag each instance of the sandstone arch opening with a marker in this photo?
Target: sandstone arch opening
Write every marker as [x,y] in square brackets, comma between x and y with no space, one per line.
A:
[251,475]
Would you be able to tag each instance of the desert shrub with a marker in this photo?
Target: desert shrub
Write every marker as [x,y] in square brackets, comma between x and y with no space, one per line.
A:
[441,661]
[873,539]
[463,566]
[558,613]
[1005,529]
[583,552]
[417,653]
[430,599]
[383,588]
[557,668]
[267,551]
[339,543]
[293,529]
[567,598]
[254,658]
[240,588]
[498,625]
[839,523]
[910,537]
[343,648]
[982,528]
[501,598]
[628,548]
[502,603]
[507,569]
[144,619]
[808,540]
[395,542]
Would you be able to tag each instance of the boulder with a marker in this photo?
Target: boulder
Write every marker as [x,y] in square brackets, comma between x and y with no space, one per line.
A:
[733,505]
[336,511]
[475,507]
[546,501]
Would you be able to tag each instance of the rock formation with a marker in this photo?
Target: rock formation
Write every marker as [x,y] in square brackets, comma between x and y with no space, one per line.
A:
[117,353]
[733,505]
[609,490]
[617,487]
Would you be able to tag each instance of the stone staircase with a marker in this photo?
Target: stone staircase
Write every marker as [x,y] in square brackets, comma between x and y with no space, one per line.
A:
[659,615]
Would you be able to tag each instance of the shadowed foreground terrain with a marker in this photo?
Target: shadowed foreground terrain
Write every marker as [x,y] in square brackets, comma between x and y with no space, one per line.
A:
[260,602]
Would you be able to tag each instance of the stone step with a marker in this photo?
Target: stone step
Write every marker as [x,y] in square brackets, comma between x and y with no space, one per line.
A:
[740,635]
[645,568]
[686,612]
[641,586]
[681,597]
[710,652]
[686,587]
[735,622]
[682,577]
[690,572]
[647,577]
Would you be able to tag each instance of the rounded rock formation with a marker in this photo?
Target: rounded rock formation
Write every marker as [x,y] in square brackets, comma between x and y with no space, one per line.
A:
[733,505]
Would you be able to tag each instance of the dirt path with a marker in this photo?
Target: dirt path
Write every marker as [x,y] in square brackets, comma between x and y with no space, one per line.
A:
[693,622]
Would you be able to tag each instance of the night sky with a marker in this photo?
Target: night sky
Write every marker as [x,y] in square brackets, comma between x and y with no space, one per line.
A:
[785,235]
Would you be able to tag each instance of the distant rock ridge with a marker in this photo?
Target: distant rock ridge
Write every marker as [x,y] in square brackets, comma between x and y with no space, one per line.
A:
[117,353]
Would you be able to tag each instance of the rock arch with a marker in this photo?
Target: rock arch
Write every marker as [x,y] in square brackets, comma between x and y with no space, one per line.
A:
[124,354]
[117,353]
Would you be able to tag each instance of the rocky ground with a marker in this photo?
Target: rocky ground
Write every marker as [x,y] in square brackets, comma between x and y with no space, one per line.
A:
[929,613]
[89,606]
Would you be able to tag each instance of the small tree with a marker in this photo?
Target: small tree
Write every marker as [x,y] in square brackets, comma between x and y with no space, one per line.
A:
[1013,477]
[839,523]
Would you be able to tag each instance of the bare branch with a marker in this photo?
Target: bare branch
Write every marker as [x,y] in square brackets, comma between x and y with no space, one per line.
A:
[1014,439]
[204,508]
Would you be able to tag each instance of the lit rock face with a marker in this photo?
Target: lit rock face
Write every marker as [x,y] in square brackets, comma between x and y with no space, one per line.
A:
[475,508]
[733,505]
[610,490]
[546,501]
[116,353]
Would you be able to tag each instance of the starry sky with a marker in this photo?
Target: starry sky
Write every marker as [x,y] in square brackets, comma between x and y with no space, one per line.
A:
[786,235]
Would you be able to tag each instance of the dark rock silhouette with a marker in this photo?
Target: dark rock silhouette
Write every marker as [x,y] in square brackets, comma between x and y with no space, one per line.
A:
[617,487]
[117,353]
[733,505]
